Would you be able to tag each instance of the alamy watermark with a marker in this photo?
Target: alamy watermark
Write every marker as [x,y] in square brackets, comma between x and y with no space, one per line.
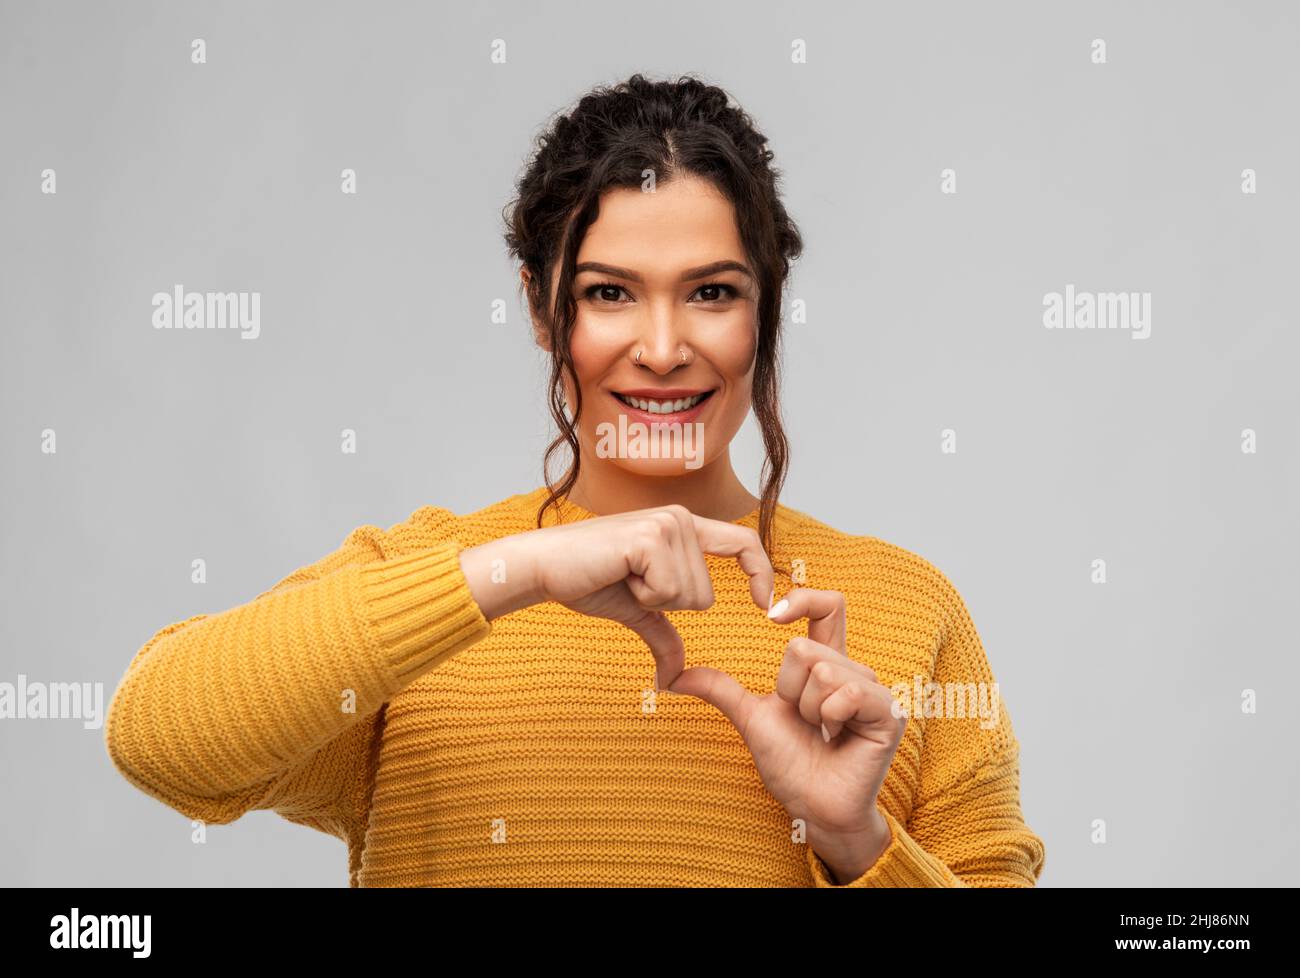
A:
[1099,310]
[74,931]
[659,439]
[53,701]
[179,309]
[951,700]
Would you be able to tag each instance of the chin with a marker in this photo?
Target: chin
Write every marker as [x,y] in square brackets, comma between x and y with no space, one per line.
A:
[657,468]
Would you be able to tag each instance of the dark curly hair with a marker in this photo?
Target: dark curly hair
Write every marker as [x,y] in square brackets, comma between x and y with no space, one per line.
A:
[613,134]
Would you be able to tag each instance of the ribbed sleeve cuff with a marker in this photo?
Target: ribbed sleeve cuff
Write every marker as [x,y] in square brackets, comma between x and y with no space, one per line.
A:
[421,609]
[903,863]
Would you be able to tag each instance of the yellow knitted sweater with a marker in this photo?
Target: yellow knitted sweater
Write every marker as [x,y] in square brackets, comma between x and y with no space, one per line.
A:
[366,696]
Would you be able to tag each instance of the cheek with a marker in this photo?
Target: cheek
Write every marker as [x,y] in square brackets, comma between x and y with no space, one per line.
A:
[593,357]
[734,356]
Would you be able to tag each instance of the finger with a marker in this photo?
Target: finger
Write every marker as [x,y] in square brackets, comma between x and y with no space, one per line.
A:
[869,704]
[743,543]
[720,689]
[655,578]
[693,562]
[825,611]
[801,655]
[824,678]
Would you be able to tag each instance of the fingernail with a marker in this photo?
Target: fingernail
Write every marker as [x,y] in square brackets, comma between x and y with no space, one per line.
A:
[826,734]
[778,608]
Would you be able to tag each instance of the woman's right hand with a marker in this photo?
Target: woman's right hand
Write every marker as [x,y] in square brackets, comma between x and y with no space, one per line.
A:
[627,567]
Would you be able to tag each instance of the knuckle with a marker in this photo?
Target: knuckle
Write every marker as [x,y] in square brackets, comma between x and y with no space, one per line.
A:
[650,530]
[649,536]
[665,523]
[823,672]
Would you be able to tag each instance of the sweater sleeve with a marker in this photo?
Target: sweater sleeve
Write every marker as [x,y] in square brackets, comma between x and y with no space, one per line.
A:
[966,828]
[276,703]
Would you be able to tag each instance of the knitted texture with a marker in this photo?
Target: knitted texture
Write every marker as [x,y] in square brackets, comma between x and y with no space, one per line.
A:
[366,696]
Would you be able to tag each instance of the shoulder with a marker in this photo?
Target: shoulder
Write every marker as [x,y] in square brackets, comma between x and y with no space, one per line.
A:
[430,524]
[869,565]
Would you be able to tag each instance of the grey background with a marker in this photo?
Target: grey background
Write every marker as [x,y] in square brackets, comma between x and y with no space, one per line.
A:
[925,313]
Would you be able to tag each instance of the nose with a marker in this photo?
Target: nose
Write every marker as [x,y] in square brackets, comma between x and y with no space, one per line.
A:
[662,343]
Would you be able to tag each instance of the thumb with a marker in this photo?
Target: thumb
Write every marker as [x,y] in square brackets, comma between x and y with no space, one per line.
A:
[718,689]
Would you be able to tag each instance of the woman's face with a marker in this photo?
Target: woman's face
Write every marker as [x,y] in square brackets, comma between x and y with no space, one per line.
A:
[664,274]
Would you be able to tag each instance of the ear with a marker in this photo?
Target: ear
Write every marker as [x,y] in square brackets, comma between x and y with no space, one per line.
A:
[541,335]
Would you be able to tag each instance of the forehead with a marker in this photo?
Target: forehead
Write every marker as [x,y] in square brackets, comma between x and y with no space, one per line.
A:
[686,221]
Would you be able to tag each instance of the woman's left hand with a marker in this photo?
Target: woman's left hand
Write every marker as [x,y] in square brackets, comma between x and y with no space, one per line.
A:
[832,784]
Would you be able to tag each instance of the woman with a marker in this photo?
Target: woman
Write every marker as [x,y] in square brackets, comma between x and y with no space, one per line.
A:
[468,699]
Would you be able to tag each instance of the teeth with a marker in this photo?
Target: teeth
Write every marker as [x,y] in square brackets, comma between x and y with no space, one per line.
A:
[663,407]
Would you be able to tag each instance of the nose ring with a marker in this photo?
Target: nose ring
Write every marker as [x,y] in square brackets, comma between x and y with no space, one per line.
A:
[679,350]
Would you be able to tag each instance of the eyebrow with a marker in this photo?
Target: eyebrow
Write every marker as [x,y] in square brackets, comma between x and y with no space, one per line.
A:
[702,271]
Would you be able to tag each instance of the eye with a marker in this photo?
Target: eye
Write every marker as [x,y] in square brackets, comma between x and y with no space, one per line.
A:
[729,291]
[607,293]
[590,292]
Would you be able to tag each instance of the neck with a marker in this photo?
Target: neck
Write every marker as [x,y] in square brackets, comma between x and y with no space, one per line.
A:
[712,491]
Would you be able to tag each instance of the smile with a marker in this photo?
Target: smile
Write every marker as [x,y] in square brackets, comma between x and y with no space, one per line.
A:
[663,405]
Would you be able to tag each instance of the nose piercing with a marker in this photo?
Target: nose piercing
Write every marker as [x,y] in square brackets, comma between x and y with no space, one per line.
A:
[679,350]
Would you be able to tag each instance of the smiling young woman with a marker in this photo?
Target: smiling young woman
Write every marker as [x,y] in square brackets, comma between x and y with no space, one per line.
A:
[483,699]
